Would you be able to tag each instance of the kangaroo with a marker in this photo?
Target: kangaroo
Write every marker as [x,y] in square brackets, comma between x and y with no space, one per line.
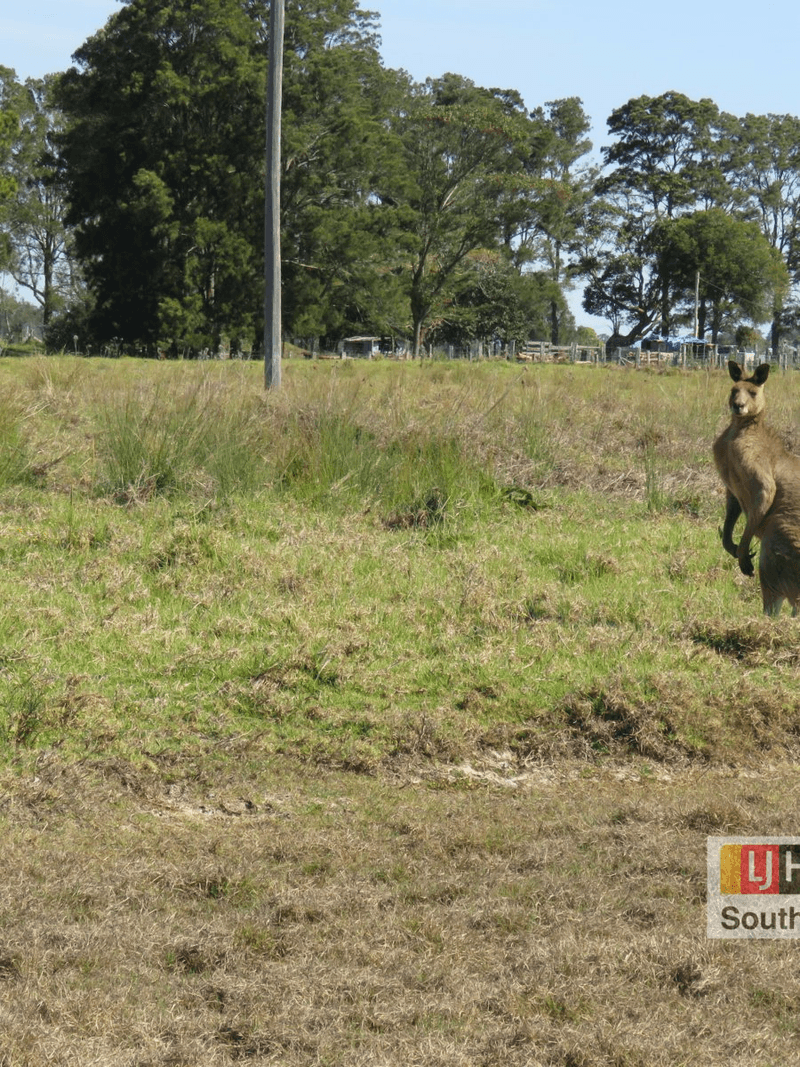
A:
[762,480]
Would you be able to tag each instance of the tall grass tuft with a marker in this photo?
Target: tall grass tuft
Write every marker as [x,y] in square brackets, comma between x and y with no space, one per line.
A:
[327,456]
[149,445]
[655,496]
[335,459]
[437,475]
[171,442]
[22,707]
[16,463]
[235,445]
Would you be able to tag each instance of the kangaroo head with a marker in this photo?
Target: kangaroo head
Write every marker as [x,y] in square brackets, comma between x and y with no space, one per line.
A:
[747,395]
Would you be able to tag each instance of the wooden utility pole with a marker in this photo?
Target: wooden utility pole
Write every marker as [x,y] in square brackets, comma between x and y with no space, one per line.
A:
[272,212]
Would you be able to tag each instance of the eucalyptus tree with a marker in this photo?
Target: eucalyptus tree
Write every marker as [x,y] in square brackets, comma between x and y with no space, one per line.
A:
[493,300]
[462,149]
[554,211]
[728,262]
[340,156]
[615,260]
[163,160]
[18,319]
[34,219]
[672,155]
[768,176]
[9,127]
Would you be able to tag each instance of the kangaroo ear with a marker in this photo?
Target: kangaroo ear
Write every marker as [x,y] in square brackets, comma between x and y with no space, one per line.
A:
[735,371]
[761,374]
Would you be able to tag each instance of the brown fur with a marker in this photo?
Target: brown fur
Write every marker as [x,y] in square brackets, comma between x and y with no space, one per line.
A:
[763,481]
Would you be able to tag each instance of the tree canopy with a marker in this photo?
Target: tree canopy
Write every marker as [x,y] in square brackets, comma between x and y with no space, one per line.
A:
[39,250]
[9,127]
[162,160]
[440,212]
[728,262]
[682,180]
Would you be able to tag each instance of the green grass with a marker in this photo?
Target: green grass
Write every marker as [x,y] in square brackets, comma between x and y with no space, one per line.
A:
[380,721]
[380,559]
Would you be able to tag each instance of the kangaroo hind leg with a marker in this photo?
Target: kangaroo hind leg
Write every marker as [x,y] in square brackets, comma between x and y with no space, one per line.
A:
[773,604]
[772,592]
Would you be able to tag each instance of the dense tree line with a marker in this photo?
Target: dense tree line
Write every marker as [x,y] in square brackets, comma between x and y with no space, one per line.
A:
[695,203]
[131,195]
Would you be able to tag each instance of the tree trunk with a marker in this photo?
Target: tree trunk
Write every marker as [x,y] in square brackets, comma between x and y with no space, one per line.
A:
[665,309]
[419,313]
[701,319]
[775,333]
[48,295]
[554,320]
[415,351]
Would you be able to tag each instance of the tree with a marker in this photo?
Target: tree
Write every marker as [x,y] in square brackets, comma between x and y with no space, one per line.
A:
[163,165]
[18,320]
[493,301]
[767,174]
[461,147]
[34,221]
[616,260]
[340,232]
[163,159]
[9,126]
[739,272]
[672,156]
[555,214]
[8,129]
[671,153]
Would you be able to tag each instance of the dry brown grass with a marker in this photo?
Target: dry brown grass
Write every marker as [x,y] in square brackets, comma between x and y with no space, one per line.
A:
[168,915]
[349,782]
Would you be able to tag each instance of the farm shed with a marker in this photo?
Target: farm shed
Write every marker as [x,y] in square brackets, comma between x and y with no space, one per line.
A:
[360,347]
[680,348]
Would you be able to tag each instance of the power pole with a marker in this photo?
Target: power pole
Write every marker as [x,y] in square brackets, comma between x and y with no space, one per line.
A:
[272,203]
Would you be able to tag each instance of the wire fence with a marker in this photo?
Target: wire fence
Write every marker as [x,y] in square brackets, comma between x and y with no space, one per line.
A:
[689,355]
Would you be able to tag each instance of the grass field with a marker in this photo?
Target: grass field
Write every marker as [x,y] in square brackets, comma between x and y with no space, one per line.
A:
[382,720]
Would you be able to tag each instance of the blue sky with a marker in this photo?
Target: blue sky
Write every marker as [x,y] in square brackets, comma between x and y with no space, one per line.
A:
[741,55]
